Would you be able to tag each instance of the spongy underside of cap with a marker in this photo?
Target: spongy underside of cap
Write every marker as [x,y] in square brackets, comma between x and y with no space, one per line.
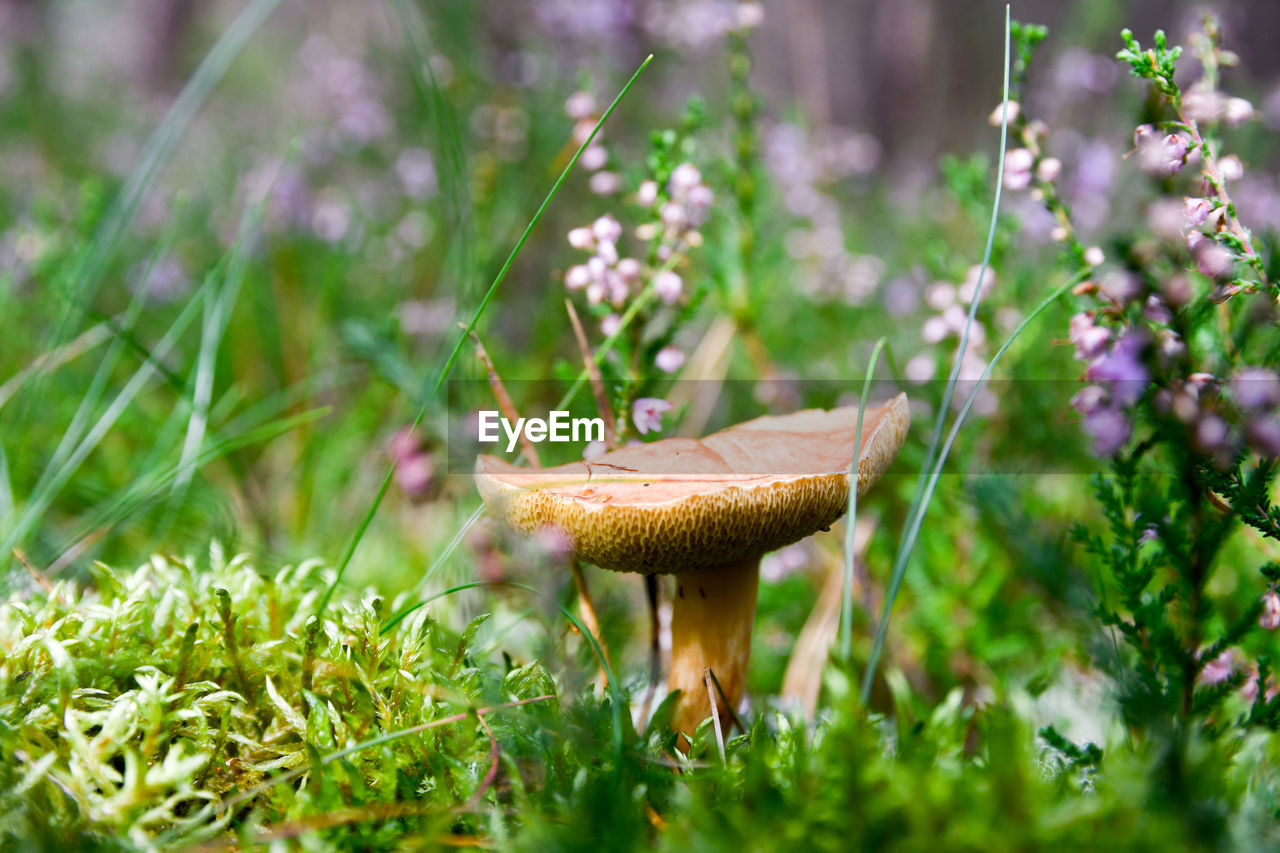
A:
[680,505]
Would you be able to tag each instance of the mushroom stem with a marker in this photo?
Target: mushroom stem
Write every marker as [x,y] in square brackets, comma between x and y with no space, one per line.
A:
[711,617]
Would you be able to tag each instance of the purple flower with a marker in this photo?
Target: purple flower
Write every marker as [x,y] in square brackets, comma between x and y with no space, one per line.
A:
[669,359]
[1264,436]
[1218,670]
[668,286]
[1110,430]
[1017,168]
[1162,157]
[1212,259]
[1196,210]
[1123,368]
[1256,389]
[1089,339]
[646,413]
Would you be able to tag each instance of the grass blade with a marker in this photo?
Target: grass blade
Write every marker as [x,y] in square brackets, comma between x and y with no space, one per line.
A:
[846,607]
[919,503]
[462,338]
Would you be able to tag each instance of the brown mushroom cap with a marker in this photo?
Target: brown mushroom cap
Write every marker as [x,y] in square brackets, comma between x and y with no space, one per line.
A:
[678,505]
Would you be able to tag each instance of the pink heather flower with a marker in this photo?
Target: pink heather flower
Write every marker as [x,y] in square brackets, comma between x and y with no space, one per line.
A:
[1231,167]
[669,359]
[700,197]
[997,115]
[604,183]
[1049,169]
[577,277]
[1203,104]
[673,214]
[748,16]
[1089,399]
[647,414]
[607,229]
[607,252]
[1263,434]
[580,105]
[593,157]
[1090,339]
[1217,670]
[1162,158]
[1120,286]
[1017,168]
[593,450]
[1211,433]
[1256,389]
[1270,618]
[939,295]
[933,330]
[1196,210]
[668,285]
[955,318]
[1237,111]
[1123,368]
[647,194]
[1155,310]
[1109,429]
[610,325]
[1212,259]
[684,178]
[1094,256]
[921,368]
[581,238]
[596,292]
[628,269]
[415,475]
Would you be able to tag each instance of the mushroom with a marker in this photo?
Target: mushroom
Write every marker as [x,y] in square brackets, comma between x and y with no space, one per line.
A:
[704,511]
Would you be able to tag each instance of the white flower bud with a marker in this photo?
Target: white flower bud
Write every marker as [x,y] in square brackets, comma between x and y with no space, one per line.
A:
[581,238]
[668,285]
[607,229]
[684,178]
[577,277]
[647,194]
[997,115]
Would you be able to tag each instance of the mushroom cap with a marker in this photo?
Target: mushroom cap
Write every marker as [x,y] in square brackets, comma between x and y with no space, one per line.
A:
[679,505]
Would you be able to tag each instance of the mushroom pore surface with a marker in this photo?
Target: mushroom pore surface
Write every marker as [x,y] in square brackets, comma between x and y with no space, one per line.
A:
[680,505]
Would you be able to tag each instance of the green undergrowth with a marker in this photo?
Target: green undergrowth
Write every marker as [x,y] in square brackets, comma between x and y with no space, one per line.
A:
[195,702]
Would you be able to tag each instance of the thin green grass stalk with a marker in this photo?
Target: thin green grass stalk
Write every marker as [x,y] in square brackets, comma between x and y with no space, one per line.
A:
[846,606]
[919,501]
[217,316]
[57,475]
[915,521]
[454,184]
[149,484]
[159,148]
[466,332]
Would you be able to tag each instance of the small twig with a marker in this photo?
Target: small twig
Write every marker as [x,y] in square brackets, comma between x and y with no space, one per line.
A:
[504,401]
[588,610]
[655,649]
[490,776]
[593,376]
[728,706]
[33,571]
[715,713]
